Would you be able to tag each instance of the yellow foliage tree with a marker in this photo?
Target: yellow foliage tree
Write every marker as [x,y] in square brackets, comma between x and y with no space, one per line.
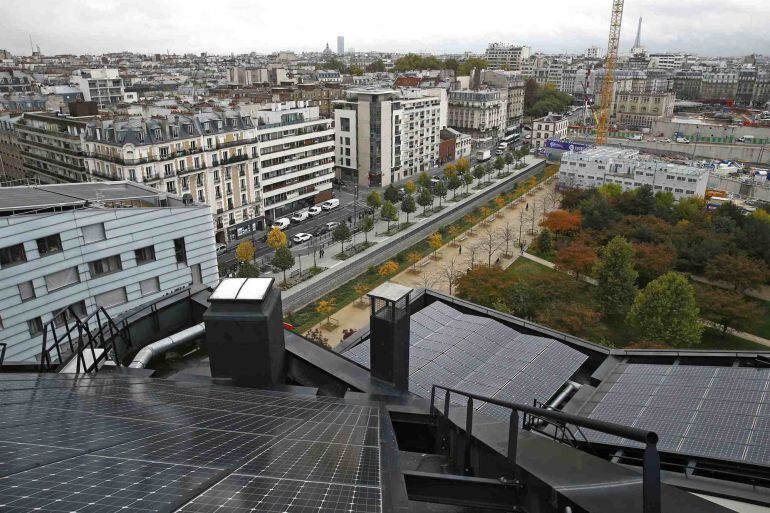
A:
[413,258]
[450,169]
[410,187]
[276,238]
[485,211]
[435,241]
[244,252]
[453,231]
[499,202]
[471,220]
[387,269]
[462,165]
[326,307]
[361,289]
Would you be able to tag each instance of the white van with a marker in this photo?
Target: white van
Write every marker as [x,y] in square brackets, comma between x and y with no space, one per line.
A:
[300,216]
[281,223]
[330,204]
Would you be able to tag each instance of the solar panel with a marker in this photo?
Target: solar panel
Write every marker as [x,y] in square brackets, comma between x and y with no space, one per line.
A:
[478,354]
[138,445]
[712,412]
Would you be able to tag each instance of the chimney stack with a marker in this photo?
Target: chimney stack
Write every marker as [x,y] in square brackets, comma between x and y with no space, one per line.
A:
[389,334]
[244,331]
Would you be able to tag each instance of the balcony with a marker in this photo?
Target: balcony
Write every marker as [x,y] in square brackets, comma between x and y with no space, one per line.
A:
[57,133]
[234,158]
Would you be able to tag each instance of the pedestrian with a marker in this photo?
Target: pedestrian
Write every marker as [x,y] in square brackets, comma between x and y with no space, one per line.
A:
[460,252]
[527,207]
[497,262]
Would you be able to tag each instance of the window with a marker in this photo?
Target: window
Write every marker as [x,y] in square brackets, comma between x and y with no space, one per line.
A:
[26,290]
[93,232]
[12,255]
[49,245]
[144,255]
[111,298]
[105,266]
[63,278]
[35,326]
[66,316]
[149,286]
[345,124]
[179,251]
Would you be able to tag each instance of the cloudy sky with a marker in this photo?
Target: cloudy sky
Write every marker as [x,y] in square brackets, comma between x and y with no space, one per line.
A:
[707,27]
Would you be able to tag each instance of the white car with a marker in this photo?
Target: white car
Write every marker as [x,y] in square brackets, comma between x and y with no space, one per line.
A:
[300,216]
[314,211]
[281,223]
[301,237]
[330,204]
[498,152]
[221,249]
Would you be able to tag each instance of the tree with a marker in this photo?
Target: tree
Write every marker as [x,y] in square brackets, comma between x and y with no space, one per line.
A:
[471,220]
[388,212]
[465,68]
[454,183]
[741,273]
[462,165]
[478,172]
[467,180]
[508,158]
[485,212]
[366,225]
[731,310]
[410,187]
[440,191]
[452,232]
[355,70]
[485,285]
[506,235]
[489,244]
[666,311]
[545,241]
[374,200]
[341,234]
[574,318]
[412,259]
[248,270]
[435,241]
[389,268]
[451,274]
[244,252]
[561,222]
[376,67]
[326,307]
[424,199]
[391,194]
[423,179]
[283,260]
[276,238]
[578,258]
[316,336]
[616,278]
[408,206]
[499,165]
[652,260]
[361,289]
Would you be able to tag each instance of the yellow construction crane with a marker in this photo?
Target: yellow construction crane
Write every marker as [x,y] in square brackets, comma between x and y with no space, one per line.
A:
[603,119]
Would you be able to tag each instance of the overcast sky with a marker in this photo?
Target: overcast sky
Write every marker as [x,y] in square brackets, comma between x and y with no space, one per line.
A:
[707,27]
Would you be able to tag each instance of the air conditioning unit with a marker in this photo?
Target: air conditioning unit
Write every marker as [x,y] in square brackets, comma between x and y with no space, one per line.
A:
[187,198]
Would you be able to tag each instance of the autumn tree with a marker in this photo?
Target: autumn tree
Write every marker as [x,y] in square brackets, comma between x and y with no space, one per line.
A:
[485,285]
[440,191]
[485,212]
[283,260]
[388,268]
[652,260]
[471,221]
[462,165]
[562,222]
[435,241]
[374,200]
[425,199]
[361,289]
[244,252]
[499,202]
[666,311]
[410,187]
[388,212]
[741,273]
[452,232]
[276,238]
[731,310]
[616,278]
[408,206]
[423,179]
[412,259]
[573,318]
[578,258]
[326,308]
[489,244]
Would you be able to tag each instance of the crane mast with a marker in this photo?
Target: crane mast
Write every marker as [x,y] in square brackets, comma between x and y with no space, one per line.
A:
[602,125]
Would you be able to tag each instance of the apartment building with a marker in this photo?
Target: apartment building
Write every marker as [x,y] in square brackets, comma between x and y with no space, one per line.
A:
[511,85]
[103,86]
[11,164]
[70,249]
[483,114]
[384,135]
[246,168]
[719,85]
[641,110]
[15,81]
[550,126]
[670,61]
[507,57]
[52,147]
[596,166]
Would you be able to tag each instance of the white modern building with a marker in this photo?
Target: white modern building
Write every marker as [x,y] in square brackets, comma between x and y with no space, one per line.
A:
[509,57]
[551,126]
[599,165]
[70,249]
[385,135]
[103,85]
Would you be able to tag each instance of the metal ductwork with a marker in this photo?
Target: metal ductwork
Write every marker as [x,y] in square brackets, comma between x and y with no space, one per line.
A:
[150,351]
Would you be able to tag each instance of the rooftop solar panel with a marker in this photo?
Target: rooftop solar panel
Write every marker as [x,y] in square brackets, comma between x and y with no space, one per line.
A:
[711,412]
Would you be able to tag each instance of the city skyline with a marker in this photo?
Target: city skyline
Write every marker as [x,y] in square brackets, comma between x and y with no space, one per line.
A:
[733,30]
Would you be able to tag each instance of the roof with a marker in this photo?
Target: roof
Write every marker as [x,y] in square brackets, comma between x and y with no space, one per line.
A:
[134,444]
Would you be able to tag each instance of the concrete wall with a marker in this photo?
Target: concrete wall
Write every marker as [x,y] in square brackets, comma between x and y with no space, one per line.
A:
[728,133]
[760,191]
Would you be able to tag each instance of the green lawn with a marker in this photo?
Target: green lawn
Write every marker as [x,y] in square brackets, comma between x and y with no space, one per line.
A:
[525,267]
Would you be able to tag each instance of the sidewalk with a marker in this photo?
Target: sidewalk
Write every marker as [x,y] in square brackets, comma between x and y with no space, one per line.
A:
[432,272]
[551,265]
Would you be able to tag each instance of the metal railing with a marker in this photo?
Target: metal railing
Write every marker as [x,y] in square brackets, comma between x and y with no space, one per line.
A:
[651,460]
[78,337]
[2,352]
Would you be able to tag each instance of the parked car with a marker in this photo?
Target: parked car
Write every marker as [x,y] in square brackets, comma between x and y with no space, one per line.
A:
[298,217]
[330,204]
[221,249]
[301,237]
[281,223]
[636,137]
[498,152]
[314,211]
[683,140]
[331,225]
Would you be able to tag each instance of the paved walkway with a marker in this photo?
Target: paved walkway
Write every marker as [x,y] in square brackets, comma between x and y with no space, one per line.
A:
[547,263]
[453,259]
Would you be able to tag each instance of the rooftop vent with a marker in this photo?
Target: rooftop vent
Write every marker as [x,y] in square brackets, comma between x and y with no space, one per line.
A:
[244,331]
[389,334]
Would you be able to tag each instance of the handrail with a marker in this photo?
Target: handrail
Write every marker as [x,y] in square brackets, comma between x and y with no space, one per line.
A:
[651,460]
[3,346]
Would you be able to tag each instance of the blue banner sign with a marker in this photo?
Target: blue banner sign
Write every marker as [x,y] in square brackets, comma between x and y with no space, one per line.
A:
[556,144]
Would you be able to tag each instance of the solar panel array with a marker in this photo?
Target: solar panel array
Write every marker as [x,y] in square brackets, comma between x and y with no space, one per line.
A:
[483,356]
[711,412]
[115,443]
